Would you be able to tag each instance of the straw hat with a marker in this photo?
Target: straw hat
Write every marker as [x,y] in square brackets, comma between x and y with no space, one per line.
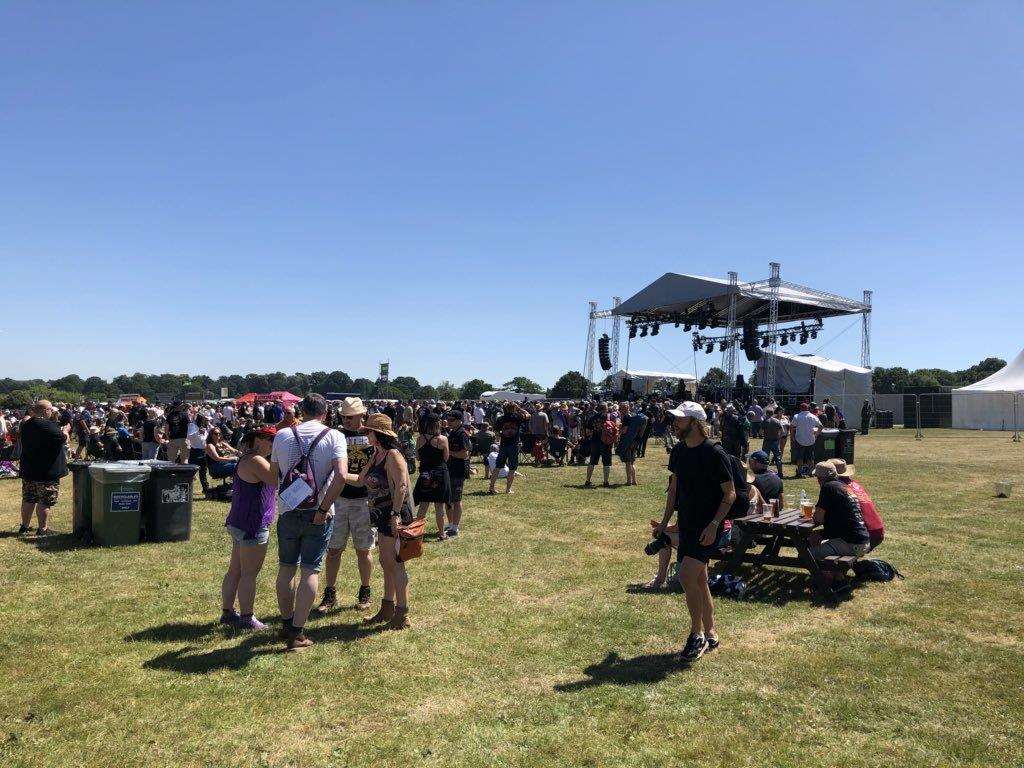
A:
[842,468]
[352,406]
[380,424]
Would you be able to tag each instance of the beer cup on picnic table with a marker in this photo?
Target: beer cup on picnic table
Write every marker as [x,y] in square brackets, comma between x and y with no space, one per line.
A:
[807,508]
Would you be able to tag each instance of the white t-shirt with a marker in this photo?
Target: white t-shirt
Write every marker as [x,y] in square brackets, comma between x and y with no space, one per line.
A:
[804,424]
[492,459]
[479,415]
[229,413]
[196,437]
[287,452]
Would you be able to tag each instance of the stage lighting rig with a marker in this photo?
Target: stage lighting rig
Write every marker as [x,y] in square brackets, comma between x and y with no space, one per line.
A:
[643,331]
[632,331]
[655,328]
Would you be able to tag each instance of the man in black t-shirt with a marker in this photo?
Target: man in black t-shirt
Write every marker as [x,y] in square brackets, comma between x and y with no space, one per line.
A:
[701,492]
[839,512]
[43,464]
[509,426]
[768,484]
[351,513]
[459,447]
[177,433]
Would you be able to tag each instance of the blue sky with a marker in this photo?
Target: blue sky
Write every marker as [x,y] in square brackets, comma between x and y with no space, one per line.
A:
[235,187]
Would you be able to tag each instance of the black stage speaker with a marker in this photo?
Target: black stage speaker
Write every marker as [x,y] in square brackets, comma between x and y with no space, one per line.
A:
[750,346]
[602,352]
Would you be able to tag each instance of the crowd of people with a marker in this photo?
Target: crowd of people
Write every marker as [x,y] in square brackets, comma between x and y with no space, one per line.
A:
[328,472]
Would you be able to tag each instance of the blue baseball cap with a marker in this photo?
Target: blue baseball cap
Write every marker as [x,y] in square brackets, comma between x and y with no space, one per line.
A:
[760,457]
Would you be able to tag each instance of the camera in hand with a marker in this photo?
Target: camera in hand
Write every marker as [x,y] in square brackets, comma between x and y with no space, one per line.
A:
[659,543]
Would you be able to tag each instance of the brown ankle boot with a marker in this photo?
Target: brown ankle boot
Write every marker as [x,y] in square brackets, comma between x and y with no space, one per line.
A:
[386,612]
[400,620]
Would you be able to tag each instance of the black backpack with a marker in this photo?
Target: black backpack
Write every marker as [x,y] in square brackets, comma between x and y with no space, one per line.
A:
[875,570]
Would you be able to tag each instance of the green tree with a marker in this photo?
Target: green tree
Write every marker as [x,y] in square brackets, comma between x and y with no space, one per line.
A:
[715,378]
[473,388]
[427,392]
[22,398]
[572,384]
[524,385]
[364,387]
[70,383]
[406,384]
[447,391]
[95,386]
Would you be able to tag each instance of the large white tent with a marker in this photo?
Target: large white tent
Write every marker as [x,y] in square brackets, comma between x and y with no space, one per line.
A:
[645,382]
[846,385]
[992,403]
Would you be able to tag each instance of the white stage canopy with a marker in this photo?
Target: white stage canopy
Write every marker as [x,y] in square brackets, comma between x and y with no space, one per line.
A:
[848,386]
[648,379]
[989,403]
[502,395]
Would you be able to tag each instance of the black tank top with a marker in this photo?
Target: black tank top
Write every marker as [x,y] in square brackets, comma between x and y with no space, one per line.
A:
[431,457]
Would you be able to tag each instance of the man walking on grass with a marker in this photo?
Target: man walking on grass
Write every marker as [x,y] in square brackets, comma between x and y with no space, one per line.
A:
[43,464]
[701,492]
[509,426]
[351,512]
[306,450]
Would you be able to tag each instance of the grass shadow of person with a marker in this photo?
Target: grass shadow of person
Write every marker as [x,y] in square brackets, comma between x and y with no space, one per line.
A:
[58,542]
[177,632]
[613,669]
[185,661]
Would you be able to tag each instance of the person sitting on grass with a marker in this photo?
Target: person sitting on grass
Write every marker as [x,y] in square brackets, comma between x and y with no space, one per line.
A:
[253,506]
[839,512]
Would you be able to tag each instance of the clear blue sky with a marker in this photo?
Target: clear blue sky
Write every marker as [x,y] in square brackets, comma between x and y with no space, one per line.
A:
[234,187]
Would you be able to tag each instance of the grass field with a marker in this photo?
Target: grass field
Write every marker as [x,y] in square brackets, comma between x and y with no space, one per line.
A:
[528,648]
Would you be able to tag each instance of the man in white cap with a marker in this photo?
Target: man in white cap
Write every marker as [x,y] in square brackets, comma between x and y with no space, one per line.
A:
[701,491]
[351,513]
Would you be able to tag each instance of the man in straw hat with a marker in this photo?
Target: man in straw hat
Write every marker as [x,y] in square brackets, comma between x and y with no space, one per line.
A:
[351,513]
[872,518]
[701,492]
[839,512]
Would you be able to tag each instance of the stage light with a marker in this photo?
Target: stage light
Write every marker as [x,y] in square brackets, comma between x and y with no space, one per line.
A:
[677,325]
[723,345]
[765,341]
[784,340]
[792,336]
[632,331]
[643,331]
[655,328]
[803,337]
[696,345]
[710,348]
[687,327]
[814,333]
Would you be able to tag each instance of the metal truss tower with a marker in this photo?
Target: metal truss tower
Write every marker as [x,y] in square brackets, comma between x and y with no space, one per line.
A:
[729,355]
[616,323]
[774,282]
[588,360]
[865,333]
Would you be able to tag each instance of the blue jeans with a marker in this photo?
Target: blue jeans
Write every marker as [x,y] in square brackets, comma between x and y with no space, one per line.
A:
[300,542]
[771,447]
[150,450]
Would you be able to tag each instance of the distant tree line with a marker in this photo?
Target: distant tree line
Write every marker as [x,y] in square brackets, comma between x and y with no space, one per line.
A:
[73,388]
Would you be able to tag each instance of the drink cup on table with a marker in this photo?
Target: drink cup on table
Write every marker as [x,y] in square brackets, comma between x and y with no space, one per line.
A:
[807,508]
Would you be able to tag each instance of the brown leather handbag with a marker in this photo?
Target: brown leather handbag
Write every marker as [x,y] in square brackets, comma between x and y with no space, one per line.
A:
[410,539]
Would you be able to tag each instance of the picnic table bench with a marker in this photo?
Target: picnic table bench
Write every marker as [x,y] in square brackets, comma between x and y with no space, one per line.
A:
[791,530]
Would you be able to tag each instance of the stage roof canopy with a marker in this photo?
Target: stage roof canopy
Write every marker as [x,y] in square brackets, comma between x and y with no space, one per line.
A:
[673,296]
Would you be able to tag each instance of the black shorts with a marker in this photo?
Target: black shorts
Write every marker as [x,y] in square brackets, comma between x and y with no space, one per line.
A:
[600,451]
[380,517]
[804,454]
[457,483]
[690,546]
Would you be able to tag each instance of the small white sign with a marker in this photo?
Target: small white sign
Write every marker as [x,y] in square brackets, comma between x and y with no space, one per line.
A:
[294,494]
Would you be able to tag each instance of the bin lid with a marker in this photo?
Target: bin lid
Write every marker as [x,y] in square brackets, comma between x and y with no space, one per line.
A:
[159,465]
[120,473]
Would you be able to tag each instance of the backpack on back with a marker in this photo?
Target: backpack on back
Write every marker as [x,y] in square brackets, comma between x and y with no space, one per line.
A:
[303,470]
[609,432]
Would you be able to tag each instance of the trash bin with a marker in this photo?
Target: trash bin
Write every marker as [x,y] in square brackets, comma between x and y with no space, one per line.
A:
[117,502]
[844,448]
[81,495]
[167,501]
[826,445]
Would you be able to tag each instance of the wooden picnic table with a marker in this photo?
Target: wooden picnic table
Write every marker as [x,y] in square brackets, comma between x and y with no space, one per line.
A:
[790,529]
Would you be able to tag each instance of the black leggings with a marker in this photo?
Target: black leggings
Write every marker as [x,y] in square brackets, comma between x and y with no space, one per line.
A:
[197,456]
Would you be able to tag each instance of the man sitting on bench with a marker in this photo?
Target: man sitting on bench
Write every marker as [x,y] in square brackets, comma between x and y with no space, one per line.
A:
[839,512]
[872,518]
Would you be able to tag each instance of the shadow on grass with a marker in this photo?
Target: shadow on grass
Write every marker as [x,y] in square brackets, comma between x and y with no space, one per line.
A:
[191,661]
[598,486]
[58,542]
[615,670]
[776,586]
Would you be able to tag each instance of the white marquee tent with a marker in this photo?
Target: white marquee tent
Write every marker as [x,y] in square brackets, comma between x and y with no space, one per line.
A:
[992,403]
[645,382]
[848,386]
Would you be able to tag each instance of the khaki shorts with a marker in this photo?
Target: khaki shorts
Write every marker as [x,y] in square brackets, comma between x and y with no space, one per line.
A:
[352,518]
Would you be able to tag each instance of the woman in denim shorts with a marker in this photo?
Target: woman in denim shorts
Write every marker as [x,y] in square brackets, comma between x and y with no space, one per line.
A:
[253,499]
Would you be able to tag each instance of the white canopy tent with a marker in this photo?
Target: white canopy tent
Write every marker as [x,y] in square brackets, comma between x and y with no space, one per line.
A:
[992,403]
[645,382]
[846,385]
[502,395]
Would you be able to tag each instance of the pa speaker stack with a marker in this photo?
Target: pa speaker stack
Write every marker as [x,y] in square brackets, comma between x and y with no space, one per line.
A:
[750,345]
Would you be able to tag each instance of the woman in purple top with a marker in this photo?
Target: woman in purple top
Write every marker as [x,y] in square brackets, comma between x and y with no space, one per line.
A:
[253,500]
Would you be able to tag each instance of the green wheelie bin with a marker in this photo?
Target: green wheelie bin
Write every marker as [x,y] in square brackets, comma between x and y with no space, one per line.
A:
[81,494]
[167,501]
[117,491]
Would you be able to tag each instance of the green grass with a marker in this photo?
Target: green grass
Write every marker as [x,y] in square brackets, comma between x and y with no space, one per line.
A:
[527,649]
